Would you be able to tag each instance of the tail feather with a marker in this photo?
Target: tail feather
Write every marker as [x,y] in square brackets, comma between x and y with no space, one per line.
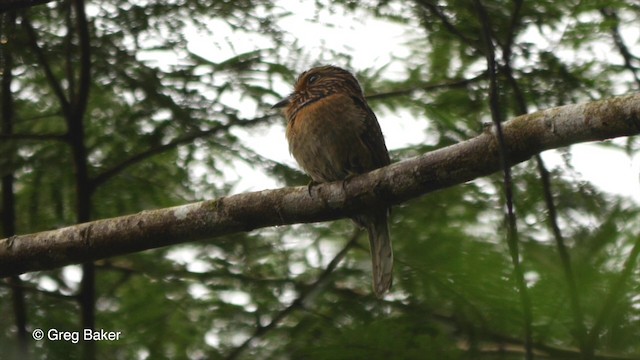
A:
[381,253]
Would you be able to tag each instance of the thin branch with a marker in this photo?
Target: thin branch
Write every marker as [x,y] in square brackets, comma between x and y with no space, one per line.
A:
[70,64]
[75,125]
[512,235]
[34,290]
[42,59]
[34,137]
[614,295]
[186,139]
[435,10]
[525,136]
[183,274]
[507,52]
[487,338]
[82,28]
[7,188]
[516,16]
[565,259]
[501,345]
[300,301]
[427,87]
[8,5]
[611,15]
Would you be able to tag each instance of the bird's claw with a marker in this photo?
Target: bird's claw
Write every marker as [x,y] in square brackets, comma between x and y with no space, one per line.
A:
[346,180]
[310,186]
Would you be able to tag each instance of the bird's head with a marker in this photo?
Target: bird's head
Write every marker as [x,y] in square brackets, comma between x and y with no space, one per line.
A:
[318,83]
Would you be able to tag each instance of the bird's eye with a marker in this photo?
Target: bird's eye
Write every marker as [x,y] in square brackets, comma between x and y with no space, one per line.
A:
[312,79]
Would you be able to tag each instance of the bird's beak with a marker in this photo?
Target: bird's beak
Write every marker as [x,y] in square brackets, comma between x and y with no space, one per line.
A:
[282,103]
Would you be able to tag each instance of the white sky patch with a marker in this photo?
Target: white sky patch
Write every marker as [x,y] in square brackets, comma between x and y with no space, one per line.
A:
[297,268]
[47,284]
[370,41]
[212,338]
[71,275]
[609,169]
[199,291]
[239,298]
[188,255]
[531,278]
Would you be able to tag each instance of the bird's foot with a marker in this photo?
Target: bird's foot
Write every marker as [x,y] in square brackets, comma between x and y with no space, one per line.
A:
[346,180]
[310,186]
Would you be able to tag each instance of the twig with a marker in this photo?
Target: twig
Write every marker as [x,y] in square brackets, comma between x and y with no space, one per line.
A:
[34,137]
[565,260]
[427,87]
[512,235]
[488,339]
[42,59]
[576,309]
[82,28]
[614,295]
[34,290]
[507,48]
[447,24]
[611,15]
[8,179]
[185,139]
[298,302]
[8,5]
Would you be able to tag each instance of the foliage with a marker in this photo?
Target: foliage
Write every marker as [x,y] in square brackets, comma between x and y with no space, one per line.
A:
[168,123]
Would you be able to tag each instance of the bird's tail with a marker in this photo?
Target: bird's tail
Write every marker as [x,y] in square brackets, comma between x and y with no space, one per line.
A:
[381,252]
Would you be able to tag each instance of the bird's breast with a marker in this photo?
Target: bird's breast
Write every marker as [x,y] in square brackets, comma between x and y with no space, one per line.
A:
[324,136]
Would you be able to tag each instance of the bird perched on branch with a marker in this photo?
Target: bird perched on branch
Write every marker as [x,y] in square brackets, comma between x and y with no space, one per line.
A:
[333,134]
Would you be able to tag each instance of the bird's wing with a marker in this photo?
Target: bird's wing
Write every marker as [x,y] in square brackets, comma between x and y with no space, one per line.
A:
[371,135]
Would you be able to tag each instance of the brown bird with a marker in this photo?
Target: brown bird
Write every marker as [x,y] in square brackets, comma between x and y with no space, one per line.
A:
[333,134]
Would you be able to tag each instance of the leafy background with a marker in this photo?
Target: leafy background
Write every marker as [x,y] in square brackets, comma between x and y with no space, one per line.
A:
[177,110]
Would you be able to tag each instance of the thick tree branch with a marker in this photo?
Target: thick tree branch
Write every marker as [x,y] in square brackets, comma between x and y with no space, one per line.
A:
[525,136]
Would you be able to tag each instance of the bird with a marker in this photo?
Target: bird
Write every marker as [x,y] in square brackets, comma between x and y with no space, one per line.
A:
[334,135]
